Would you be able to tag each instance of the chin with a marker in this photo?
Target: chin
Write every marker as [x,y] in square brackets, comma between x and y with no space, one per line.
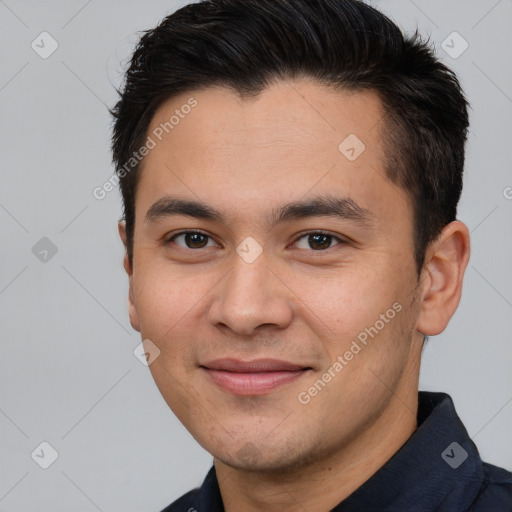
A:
[253,457]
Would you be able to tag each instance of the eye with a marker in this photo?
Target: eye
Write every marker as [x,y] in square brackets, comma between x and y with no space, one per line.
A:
[192,240]
[317,241]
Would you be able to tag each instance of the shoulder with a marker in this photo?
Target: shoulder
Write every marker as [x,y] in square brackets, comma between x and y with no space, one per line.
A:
[206,497]
[496,492]
[183,504]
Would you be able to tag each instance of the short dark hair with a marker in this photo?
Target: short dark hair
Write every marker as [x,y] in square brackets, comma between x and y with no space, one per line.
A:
[246,45]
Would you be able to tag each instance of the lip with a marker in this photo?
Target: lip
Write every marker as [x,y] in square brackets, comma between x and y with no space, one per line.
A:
[256,377]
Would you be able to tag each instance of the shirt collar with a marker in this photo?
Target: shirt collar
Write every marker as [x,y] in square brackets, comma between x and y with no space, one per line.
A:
[438,469]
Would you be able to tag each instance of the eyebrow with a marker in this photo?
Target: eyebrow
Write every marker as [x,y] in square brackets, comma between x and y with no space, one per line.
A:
[324,206]
[168,207]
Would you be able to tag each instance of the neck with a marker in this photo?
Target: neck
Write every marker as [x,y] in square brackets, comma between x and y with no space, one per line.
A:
[326,483]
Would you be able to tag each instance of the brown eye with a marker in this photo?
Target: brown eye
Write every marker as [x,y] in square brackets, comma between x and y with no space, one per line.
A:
[192,240]
[196,240]
[317,241]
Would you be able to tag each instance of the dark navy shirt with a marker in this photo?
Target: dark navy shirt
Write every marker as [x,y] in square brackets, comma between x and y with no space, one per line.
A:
[438,469]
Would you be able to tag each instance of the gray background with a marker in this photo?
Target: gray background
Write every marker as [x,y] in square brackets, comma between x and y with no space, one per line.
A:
[68,375]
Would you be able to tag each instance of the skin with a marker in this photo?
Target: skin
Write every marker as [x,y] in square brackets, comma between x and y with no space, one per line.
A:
[246,159]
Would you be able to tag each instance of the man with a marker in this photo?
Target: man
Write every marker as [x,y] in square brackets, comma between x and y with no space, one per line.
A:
[290,172]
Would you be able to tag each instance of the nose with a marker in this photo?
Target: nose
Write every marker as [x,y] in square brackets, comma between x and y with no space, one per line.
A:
[250,297]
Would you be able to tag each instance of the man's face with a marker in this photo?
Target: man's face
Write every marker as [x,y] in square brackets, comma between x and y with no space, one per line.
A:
[310,248]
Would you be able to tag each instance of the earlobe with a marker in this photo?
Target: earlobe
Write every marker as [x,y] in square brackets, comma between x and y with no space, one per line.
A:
[132,309]
[121,227]
[442,277]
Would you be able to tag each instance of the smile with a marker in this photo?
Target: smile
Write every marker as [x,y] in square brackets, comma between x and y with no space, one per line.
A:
[256,377]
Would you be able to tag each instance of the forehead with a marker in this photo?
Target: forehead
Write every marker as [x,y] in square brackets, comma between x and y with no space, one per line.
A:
[287,112]
[293,139]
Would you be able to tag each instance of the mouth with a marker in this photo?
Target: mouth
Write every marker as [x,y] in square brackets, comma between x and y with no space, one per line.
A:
[256,377]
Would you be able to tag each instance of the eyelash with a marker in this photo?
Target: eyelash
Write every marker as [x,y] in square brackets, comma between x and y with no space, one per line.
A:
[302,235]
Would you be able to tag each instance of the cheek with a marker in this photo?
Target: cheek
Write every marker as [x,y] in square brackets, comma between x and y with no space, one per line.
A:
[164,298]
[345,302]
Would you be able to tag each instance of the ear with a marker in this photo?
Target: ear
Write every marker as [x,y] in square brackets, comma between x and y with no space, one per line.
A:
[441,278]
[132,310]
